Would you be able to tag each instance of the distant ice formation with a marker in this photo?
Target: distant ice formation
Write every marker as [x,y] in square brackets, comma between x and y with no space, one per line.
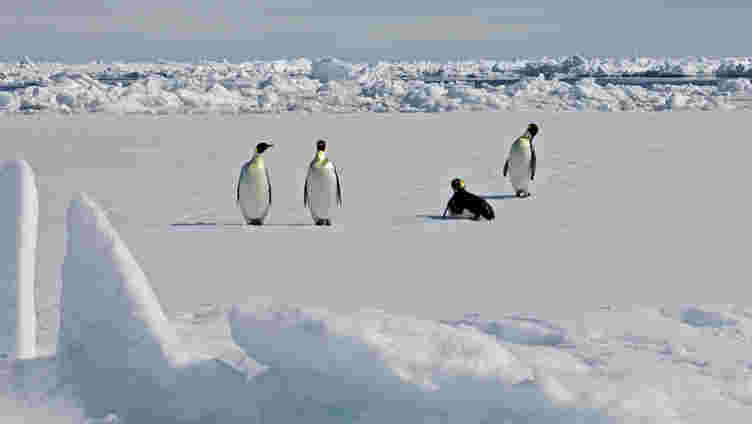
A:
[119,351]
[517,329]
[332,85]
[19,216]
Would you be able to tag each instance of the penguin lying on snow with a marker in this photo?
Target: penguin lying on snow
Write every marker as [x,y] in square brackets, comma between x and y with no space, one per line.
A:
[521,163]
[254,193]
[463,200]
[322,190]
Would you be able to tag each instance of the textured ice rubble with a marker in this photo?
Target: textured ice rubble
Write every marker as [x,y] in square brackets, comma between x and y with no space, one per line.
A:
[119,351]
[332,85]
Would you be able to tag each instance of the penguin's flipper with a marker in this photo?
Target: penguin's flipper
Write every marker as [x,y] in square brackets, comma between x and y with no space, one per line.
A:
[269,184]
[449,205]
[305,192]
[506,168]
[237,190]
[533,162]
[339,187]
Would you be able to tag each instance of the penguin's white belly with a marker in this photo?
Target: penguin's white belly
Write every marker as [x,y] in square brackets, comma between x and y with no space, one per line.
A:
[519,166]
[254,194]
[322,192]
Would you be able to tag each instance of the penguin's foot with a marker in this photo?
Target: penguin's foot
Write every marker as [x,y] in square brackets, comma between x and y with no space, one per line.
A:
[522,193]
[327,222]
[255,222]
[321,222]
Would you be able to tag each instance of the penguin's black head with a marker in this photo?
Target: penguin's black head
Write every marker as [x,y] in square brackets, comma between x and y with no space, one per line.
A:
[261,147]
[458,184]
[532,129]
[321,146]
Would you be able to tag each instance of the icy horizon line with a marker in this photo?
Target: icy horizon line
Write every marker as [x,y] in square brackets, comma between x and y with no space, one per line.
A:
[239,59]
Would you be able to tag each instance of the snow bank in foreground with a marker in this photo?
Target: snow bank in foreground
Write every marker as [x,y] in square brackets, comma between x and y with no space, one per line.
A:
[376,367]
[332,85]
[19,215]
[116,347]
[30,393]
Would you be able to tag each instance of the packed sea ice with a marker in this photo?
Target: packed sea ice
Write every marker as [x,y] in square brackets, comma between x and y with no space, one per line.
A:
[333,85]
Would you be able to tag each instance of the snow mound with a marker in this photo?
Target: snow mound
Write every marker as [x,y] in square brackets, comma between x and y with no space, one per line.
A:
[114,335]
[30,393]
[19,216]
[331,69]
[516,329]
[697,316]
[377,367]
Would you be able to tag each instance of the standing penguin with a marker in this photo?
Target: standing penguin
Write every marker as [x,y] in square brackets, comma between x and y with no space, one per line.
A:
[520,165]
[322,188]
[254,194]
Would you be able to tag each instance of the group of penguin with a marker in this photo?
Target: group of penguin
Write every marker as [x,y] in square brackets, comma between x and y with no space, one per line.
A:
[322,191]
[519,166]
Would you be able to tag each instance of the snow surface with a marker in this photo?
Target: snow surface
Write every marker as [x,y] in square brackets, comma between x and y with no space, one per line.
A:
[332,85]
[19,216]
[536,316]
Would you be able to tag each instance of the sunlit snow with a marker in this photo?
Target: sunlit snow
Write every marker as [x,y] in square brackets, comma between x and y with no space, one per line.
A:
[615,294]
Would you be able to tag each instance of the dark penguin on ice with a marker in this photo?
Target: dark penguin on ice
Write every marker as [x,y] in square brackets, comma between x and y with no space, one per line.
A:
[520,165]
[254,193]
[322,192]
[463,200]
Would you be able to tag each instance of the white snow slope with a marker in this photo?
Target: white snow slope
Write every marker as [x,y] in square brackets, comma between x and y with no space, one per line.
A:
[113,329]
[614,294]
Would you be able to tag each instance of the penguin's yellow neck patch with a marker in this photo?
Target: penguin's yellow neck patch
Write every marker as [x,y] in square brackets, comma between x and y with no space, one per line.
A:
[320,161]
[257,162]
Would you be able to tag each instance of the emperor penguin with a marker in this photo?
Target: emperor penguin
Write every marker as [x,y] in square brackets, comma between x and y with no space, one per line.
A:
[464,203]
[520,165]
[322,190]
[254,192]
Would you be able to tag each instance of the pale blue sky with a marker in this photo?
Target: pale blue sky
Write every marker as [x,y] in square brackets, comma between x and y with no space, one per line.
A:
[78,30]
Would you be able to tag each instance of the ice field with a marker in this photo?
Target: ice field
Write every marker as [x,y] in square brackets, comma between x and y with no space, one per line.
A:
[616,293]
[333,85]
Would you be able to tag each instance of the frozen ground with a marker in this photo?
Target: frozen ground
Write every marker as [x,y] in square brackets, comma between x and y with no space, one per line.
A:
[332,85]
[585,289]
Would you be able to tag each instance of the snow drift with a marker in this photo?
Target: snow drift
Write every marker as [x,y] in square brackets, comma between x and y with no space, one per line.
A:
[19,216]
[30,393]
[376,367]
[117,348]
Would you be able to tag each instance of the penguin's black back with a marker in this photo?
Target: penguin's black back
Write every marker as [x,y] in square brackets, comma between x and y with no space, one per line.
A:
[463,199]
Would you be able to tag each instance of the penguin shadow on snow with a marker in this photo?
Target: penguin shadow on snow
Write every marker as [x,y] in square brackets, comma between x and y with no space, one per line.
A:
[504,196]
[202,224]
[443,218]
